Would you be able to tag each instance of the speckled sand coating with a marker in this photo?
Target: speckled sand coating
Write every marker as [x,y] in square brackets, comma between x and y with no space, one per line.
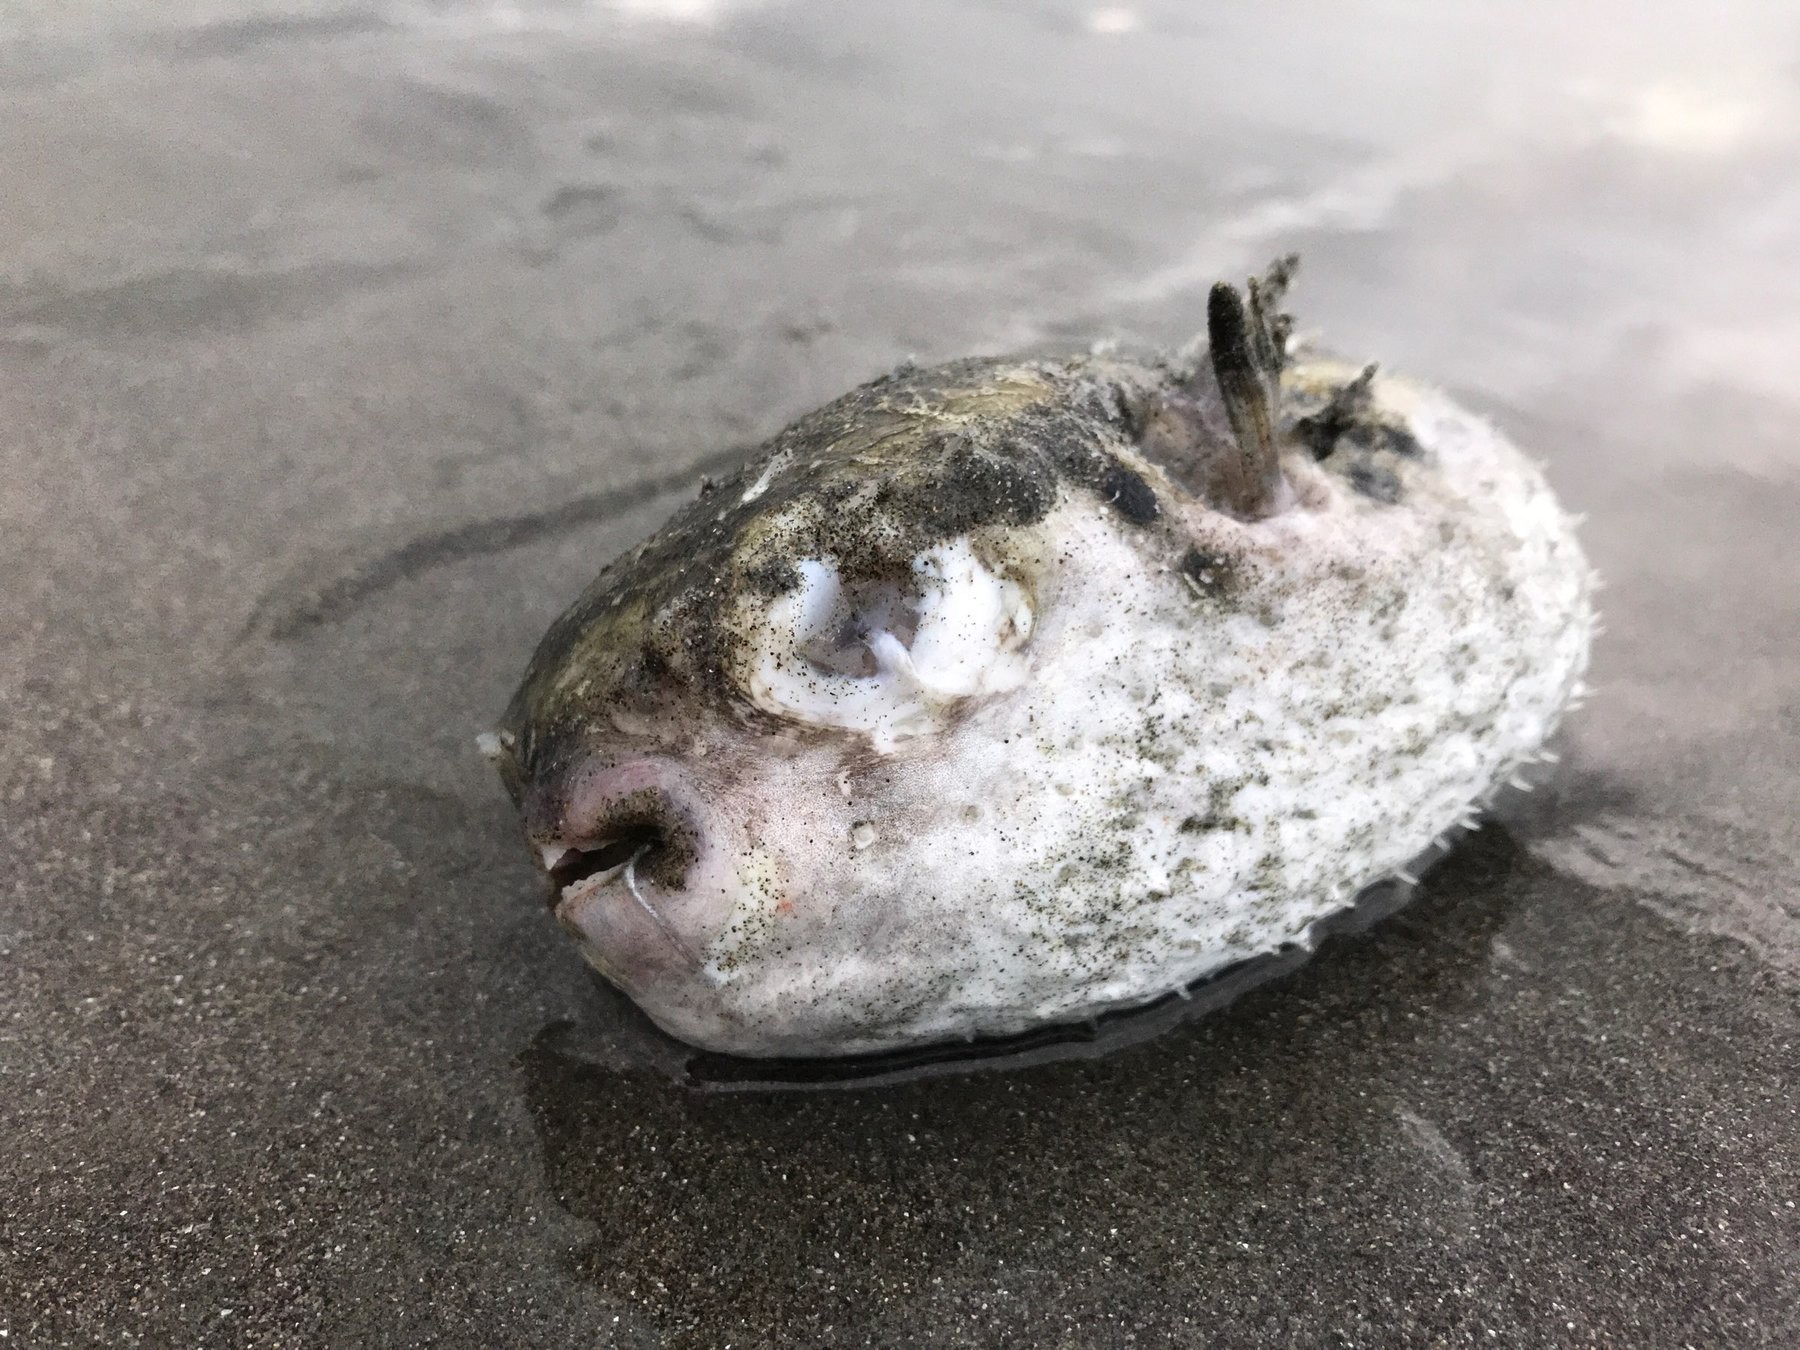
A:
[980,699]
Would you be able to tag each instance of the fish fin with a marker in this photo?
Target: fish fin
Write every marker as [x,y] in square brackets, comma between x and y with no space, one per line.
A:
[1246,361]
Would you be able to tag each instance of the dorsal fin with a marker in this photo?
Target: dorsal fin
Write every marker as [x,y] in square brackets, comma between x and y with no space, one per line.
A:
[1247,346]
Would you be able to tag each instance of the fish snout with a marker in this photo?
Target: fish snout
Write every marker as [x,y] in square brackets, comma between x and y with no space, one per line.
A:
[621,844]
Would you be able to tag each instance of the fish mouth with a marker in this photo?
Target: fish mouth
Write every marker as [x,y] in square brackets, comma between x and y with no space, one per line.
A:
[615,873]
[622,844]
[579,870]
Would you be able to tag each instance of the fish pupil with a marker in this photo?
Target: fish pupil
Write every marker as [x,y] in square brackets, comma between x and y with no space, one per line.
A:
[843,646]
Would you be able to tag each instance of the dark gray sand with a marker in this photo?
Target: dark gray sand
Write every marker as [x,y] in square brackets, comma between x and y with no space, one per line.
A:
[340,346]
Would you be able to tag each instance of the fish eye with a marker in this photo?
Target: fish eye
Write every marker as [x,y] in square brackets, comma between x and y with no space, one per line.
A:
[865,617]
[890,656]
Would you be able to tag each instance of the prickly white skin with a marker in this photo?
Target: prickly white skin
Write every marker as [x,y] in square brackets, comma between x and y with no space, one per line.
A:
[1154,773]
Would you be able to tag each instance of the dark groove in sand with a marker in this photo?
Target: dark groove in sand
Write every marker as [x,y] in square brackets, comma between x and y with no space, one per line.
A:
[337,599]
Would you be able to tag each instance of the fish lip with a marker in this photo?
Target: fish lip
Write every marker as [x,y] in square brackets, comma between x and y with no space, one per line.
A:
[575,892]
[598,782]
[618,886]
[570,900]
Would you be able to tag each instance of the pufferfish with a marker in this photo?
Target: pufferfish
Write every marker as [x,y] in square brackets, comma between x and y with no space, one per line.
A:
[1012,692]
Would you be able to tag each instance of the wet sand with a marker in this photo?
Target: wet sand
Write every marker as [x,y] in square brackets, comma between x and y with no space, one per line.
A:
[340,346]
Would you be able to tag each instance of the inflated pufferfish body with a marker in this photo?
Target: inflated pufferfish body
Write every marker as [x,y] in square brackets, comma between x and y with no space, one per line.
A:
[1010,692]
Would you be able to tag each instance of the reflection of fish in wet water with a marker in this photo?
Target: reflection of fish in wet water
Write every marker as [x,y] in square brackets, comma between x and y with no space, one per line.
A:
[1013,693]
